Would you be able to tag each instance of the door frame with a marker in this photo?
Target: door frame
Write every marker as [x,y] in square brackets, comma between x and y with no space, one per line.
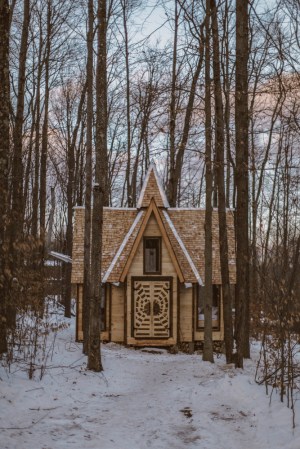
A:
[152,278]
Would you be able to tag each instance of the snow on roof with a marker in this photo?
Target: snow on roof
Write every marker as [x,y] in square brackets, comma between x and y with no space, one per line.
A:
[146,185]
[63,257]
[122,246]
[179,209]
[185,228]
[181,244]
[119,208]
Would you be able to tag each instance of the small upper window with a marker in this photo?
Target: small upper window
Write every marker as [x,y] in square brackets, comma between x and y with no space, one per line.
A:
[152,255]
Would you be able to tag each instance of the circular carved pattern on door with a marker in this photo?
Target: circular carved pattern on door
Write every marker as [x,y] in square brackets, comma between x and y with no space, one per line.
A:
[147,308]
[156,308]
[151,309]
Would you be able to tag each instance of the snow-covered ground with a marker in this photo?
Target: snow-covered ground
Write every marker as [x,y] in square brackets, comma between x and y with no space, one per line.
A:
[142,400]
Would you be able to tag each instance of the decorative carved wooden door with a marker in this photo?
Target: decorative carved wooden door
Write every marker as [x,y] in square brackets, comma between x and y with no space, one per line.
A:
[151,308]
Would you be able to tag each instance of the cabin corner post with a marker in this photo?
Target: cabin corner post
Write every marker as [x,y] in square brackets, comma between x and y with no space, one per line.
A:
[126,286]
[79,305]
[178,312]
[77,308]
[222,316]
[172,310]
[131,307]
[110,310]
[194,312]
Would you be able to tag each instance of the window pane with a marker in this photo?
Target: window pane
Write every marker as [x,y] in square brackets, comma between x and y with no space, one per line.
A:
[152,255]
[103,308]
[200,291]
[216,305]
[216,290]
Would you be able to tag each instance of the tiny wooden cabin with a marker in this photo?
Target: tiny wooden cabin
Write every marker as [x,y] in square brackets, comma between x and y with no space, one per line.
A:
[153,271]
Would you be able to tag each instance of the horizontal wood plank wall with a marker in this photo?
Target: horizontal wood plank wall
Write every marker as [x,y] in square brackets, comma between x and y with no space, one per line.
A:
[79,333]
[136,269]
[117,313]
[105,334]
[186,314]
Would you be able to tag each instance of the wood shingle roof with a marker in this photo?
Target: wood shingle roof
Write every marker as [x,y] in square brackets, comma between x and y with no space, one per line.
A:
[184,229]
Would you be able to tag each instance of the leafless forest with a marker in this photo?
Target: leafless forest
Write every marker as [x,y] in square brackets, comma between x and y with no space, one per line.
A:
[89,95]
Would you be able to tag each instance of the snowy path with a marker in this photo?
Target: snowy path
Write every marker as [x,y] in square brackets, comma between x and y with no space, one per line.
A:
[143,400]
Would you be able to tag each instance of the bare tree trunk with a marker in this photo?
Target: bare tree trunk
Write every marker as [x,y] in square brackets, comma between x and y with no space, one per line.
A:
[17,219]
[257,188]
[32,108]
[271,203]
[172,124]
[146,101]
[208,341]
[44,149]
[176,159]
[80,165]
[35,192]
[242,237]
[125,6]
[51,219]
[89,174]
[219,167]
[4,155]
[226,87]
[186,129]
[70,203]
[100,195]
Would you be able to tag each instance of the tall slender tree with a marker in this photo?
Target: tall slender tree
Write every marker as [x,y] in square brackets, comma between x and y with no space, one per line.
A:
[17,219]
[242,221]
[4,155]
[70,196]
[208,344]
[44,149]
[172,118]
[219,168]
[177,154]
[88,182]
[125,5]
[100,193]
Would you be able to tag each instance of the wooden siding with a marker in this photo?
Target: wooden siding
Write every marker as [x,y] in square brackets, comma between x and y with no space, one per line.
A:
[79,316]
[186,314]
[136,269]
[117,314]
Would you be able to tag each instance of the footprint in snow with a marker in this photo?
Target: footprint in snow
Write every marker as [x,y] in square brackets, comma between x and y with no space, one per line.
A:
[187,411]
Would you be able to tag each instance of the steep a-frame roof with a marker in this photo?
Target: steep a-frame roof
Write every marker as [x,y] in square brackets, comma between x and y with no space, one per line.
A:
[181,229]
[152,188]
[152,209]
[189,224]
[117,223]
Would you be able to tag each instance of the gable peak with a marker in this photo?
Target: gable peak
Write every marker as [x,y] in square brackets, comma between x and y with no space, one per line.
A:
[152,188]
